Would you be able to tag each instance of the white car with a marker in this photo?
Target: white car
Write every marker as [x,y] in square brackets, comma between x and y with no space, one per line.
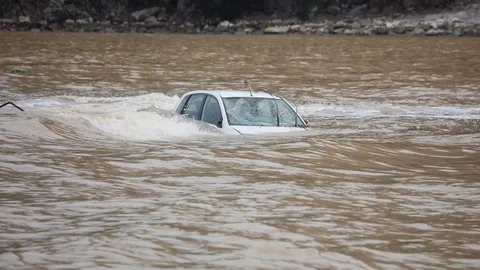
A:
[241,112]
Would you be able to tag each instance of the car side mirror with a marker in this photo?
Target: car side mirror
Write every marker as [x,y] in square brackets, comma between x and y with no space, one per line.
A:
[220,124]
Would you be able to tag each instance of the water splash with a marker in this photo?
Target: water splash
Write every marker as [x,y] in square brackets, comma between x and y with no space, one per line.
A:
[144,117]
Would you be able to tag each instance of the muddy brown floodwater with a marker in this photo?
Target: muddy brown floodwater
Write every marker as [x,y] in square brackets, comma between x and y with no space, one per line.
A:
[95,175]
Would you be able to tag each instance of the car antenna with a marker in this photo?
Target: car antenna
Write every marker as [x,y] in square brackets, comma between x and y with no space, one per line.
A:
[247,84]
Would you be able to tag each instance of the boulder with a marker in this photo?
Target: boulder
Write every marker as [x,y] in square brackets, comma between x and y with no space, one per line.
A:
[305,30]
[226,24]
[425,26]
[381,30]
[339,24]
[276,30]
[295,28]
[369,31]
[69,22]
[399,30]
[6,22]
[53,26]
[432,32]
[43,24]
[418,31]
[469,31]
[458,32]
[24,19]
[109,30]
[83,21]
[333,10]
[152,20]
[358,11]
[143,14]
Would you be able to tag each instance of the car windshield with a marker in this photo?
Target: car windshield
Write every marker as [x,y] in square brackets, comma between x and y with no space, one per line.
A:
[255,111]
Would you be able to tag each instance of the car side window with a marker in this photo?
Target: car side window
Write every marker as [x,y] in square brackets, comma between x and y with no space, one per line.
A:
[211,111]
[194,106]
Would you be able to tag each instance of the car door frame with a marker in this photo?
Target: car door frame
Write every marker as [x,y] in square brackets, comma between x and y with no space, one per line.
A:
[187,99]
[220,105]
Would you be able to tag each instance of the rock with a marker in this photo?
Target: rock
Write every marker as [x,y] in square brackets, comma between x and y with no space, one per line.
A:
[369,31]
[82,21]
[152,20]
[5,21]
[365,23]
[358,11]
[418,32]
[53,26]
[54,11]
[24,19]
[333,10]
[469,31]
[408,27]
[109,30]
[143,14]
[457,32]
[399,30]
[379,22]
[442,32]
[295,28]
[43,24]
[381,30]
[432,32]
[305,30]
[339,24]
[69,22]
[442,25]
[276,30]
[225,24]
[424,26]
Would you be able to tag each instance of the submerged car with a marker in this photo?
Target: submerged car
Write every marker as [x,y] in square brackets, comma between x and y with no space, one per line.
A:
[241,112]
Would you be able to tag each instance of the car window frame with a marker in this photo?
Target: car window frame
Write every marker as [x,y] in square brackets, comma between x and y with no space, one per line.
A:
[202,103]
[219,108]
[183,103]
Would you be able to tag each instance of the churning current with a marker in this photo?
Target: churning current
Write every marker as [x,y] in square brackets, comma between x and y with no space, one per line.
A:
[96,173]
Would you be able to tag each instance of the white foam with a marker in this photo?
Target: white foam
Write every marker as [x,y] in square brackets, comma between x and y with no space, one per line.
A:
[143,117]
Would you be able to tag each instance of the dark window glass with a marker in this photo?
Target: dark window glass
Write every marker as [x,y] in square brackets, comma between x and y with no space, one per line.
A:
[194,106]
[211,111]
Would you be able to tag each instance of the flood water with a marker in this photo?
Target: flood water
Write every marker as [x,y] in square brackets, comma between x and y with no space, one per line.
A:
[95,175]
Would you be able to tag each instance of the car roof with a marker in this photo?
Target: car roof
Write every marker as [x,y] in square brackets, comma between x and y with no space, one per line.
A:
[237,93]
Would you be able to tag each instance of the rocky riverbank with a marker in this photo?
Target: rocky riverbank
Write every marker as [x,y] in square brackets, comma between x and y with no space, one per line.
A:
[465,22]
[366,27]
